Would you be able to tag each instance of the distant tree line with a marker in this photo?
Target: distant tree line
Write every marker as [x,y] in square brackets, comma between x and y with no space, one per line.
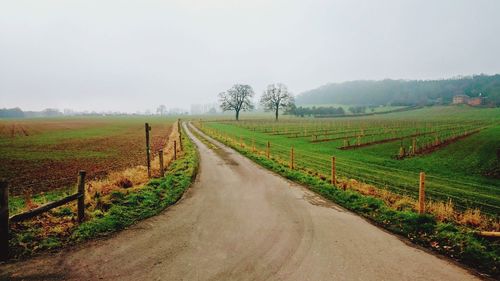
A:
[357,109]
[326,110]
[405,92]
[11,113]
[315,111]
[18,113]
[54,112]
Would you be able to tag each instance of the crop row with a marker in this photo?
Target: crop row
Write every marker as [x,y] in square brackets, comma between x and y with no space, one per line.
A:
[463,194]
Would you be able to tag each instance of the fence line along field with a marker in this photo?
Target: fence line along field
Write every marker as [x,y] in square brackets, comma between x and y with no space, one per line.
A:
[457,147]
[44,154]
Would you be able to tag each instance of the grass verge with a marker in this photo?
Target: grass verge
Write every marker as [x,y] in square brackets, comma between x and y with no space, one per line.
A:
[121,209]
[447,238]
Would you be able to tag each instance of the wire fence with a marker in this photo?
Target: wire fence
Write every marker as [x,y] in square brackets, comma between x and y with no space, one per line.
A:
[463,194]
[39,188]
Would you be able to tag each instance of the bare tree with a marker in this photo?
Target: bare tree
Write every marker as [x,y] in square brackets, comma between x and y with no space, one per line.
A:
[162,109]
[276,97]
[237,98]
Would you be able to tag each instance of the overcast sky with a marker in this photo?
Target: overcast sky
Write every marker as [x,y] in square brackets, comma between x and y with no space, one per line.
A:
[135,55]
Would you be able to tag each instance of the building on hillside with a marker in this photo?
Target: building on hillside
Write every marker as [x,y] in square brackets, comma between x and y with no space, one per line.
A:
[460,99]
[476,101]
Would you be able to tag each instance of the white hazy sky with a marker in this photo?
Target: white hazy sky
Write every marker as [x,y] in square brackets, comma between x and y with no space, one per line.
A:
[134,55]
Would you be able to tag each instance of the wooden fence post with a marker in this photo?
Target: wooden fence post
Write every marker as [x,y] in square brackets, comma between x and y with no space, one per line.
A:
[334,174]
[291,158]
[81,198]
[268,148]
[421,194]
[180,133]
[175,150]
[4,220]
[160,154]
[148,159]
[180,142]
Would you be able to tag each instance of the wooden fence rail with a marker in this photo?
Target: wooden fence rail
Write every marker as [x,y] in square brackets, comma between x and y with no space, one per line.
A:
[44,208]
[5,220]
[79,196]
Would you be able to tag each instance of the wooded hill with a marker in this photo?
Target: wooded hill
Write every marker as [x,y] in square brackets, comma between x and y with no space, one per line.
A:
[404,92]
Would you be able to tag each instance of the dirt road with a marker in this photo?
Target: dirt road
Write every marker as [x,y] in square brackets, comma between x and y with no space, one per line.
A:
[241,222]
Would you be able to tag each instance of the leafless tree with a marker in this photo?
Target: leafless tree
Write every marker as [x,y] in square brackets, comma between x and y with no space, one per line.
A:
[276,97]
[237,98]
[162,110]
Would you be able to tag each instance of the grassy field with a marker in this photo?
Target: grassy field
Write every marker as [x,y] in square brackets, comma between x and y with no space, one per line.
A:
[456,147]
[106,211]
[45,154]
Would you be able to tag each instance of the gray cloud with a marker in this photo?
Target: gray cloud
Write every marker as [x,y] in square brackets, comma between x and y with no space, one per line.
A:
[134,55]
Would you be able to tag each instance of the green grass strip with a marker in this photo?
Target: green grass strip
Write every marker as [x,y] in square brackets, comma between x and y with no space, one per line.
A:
[457,242]
[126,209]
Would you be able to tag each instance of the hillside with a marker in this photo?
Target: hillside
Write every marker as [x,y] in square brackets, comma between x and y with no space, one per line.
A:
[404,92]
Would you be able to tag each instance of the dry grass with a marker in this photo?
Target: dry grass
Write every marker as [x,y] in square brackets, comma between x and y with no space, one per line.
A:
[444,211]
[45,154]
[471,218]
[403,203]
[136,176]
[117,180]
[362,188]
[388,197]
[97,195]
[495,226]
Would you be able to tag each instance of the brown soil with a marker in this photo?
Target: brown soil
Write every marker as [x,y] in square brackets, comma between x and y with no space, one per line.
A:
[447,142]
[35,176]
[434,147]
[382,141]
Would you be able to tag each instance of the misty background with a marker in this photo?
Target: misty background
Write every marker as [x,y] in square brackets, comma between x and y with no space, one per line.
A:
[135,55]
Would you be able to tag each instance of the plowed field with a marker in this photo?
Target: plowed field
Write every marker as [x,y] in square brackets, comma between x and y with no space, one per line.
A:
[45,154]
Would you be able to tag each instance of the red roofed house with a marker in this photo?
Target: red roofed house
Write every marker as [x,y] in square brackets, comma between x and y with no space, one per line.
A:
[476,101]
[460,99]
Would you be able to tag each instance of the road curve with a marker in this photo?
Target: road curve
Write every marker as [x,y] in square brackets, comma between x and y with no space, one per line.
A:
[241,222]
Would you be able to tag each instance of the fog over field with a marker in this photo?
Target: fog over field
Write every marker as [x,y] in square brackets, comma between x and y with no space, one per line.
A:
[135,55]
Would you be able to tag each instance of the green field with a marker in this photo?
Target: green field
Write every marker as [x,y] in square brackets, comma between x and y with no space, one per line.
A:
[458,166]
